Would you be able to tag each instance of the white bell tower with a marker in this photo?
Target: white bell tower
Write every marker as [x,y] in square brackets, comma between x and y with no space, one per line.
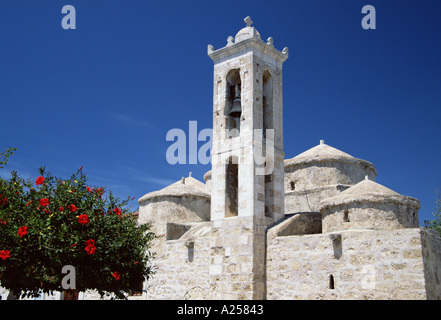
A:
[247,155]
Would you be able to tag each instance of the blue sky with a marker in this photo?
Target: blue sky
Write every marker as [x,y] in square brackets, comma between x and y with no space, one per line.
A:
[105,95]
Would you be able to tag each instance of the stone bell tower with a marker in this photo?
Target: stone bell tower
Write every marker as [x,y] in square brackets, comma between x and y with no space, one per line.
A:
[247,159]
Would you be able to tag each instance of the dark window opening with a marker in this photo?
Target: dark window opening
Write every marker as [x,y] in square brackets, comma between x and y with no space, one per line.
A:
[233,108]
[232,188]
[267,121]
[346,216]
[292,185]
[331,282]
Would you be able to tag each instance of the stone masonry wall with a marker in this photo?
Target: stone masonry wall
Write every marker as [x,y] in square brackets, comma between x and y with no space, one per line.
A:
[361,265]
[431,242]
[220,264]
[182,270]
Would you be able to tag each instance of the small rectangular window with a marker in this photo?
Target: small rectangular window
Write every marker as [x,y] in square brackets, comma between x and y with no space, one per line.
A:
[331,282]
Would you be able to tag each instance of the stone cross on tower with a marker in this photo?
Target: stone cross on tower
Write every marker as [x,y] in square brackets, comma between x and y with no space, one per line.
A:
[248,21]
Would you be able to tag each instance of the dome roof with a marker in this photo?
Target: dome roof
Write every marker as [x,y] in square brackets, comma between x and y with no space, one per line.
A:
[322,153]
[185,187]
[247,32]
[368,187]
[368,191]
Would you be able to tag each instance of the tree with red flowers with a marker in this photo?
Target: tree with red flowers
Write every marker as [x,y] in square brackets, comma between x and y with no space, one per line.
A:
[51,222]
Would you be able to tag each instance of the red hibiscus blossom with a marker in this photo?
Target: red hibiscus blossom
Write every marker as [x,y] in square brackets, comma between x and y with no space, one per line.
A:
[90,250]
[22,231]
[3,200]
[44,202]
[39,180]
[116,275]
[4,254]
[100,192]
[90,247]
[60,209]
[83,219]
[72,208]
[117,211]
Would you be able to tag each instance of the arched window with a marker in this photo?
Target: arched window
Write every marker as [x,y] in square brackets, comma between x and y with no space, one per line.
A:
[267,109]
[233,104]
[231,187]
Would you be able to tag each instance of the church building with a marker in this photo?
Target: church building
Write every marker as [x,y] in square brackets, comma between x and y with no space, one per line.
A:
[260,226]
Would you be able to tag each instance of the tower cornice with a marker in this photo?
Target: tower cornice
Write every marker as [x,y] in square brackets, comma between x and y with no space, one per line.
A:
[247,39]
[247,45]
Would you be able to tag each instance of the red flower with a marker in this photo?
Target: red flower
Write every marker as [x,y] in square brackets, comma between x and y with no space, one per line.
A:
[28,203]
[90,242]
[116,275]
[83,219]
[22,231]
[60,209]
[44,202]
[39,180]
[3,200]
[90,247]
[100,192]
[72,208]
[4,222]
[117,211]
[90,250]
[4,254]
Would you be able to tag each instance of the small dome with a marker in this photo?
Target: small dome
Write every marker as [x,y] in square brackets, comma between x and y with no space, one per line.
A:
[182,202]
[368,191]
[246,33]
[185,187]
[324,165]
[319,173]
[369,187]
[321,153]
[369,205]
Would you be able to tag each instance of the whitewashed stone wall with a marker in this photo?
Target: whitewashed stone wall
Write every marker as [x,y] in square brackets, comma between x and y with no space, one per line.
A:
[398,264]
[183,271]
[215,262]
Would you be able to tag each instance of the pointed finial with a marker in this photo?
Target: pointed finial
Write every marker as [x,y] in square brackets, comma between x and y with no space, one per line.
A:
[230,41]
[322,141]
[183,180]
[270,41]
[366,177]
[248,21]
[190,174]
